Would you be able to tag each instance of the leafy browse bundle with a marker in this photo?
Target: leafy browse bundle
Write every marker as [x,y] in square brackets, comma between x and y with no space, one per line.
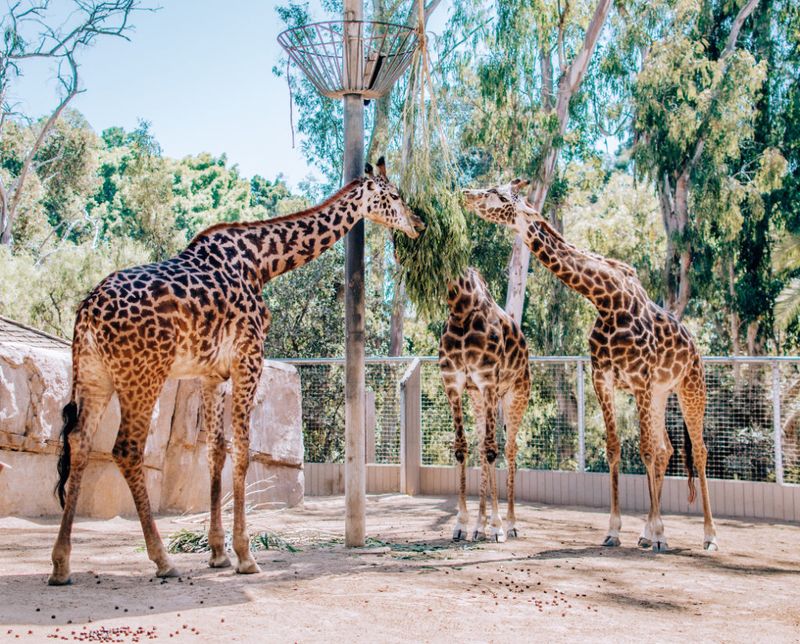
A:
[441,253]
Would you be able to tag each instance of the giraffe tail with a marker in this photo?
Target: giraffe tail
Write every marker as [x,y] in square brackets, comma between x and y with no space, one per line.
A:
[70,415]
[688,460]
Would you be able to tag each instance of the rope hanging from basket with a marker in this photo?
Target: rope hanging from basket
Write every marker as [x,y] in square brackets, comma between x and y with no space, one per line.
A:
[428,183]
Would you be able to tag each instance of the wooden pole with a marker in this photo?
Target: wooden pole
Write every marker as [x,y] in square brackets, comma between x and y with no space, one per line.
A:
[354,468]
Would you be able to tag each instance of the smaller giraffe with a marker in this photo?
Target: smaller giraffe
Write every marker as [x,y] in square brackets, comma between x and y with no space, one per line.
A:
[635,346]
[483,351]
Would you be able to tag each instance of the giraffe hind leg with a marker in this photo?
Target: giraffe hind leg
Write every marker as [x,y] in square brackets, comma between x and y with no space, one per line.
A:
[692,399]
[136,409]
[215,441]
[77,444]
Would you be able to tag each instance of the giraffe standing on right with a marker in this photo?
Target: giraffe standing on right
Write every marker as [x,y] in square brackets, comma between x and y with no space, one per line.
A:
[635,345]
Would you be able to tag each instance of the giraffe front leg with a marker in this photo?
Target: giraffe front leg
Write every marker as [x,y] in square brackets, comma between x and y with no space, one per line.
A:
[246,374]
[649,448]
[215,443]
[513,413]
[479,529]
[496,531]
[605,396]
[460,448]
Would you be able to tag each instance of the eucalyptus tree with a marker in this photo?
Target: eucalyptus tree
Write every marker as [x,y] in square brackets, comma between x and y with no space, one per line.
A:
[37,30]
[695,102]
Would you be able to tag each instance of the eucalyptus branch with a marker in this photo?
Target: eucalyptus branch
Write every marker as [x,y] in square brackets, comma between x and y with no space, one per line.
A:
[719,75]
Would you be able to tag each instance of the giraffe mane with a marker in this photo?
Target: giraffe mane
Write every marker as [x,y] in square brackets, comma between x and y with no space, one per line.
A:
[275,220]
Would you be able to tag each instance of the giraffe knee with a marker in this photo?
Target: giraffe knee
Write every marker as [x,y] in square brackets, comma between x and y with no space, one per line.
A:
[125,452]
[613,455]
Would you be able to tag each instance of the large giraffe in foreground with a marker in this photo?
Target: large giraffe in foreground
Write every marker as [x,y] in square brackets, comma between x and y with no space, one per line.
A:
[635,345]
[483,351]
[197,315]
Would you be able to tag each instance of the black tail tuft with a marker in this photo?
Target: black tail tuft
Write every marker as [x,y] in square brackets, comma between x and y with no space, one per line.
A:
[688,460]
[70,415]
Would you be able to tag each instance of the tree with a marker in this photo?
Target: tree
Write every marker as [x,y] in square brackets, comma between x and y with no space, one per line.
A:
[695,105]
[32,31]
[560,80]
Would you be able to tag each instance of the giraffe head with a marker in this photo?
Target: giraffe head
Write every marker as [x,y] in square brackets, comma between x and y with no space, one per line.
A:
[504,204]
[383,204]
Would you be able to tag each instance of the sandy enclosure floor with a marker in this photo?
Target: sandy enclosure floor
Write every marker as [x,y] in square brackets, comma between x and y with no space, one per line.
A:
[553,583]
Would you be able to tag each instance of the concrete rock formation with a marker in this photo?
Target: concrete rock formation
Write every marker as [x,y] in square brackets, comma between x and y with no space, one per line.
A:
[35,385]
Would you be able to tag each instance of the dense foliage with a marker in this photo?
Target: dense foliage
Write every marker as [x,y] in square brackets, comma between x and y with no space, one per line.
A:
[668,91]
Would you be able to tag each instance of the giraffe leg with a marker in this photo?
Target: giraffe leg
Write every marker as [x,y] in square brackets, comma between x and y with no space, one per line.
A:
[514,409]
[215,442]
[604,390]
[92,405]
[246,374]
[496,531]
[663,452]
[648,448]
[454,387]
[479,531]
[128,453]
[692,398]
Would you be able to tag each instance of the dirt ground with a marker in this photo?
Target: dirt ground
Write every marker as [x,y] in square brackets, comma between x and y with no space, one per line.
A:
[553,583]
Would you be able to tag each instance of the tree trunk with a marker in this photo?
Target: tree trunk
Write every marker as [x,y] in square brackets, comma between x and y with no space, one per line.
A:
[674,191]
[396,321]
[674,200]
[567,86]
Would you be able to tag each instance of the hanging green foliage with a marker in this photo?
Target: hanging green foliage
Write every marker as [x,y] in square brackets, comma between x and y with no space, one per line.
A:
[429,187]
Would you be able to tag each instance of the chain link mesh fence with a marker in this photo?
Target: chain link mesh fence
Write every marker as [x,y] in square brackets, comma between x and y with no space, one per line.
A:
[739,424]
[322,387]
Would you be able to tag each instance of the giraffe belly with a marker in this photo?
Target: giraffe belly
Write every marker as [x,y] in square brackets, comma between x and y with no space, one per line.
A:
[214,365]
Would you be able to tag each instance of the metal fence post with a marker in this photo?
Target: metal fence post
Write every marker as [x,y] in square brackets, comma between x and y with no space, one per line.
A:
[776,422]
[581,420]
[370,425]
[410,428]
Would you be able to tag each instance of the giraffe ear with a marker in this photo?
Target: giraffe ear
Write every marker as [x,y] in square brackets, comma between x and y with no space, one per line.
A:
[520,184]
[368,169]
[382,167]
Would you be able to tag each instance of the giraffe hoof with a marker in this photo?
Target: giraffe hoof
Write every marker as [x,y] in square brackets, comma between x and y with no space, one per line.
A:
[710,545]
[172,571]
[499,536]
[219,562]
[478,536]
[512,533]
[611,542]
[660,546]
[247,568]
[59,581]
[459,535]
[644,542]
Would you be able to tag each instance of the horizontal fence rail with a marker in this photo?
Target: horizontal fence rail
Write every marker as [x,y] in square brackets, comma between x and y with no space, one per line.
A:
[752,421]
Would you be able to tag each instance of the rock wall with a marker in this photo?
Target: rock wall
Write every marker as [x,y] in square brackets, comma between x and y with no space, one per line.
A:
[35,384]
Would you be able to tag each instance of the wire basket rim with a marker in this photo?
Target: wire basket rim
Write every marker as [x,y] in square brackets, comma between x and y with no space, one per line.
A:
[383,23]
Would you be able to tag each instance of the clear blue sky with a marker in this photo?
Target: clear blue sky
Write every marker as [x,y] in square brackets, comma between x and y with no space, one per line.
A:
[201,72]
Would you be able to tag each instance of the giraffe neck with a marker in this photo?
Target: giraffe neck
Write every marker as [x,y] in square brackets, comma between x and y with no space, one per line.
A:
[583,272]
[271,247]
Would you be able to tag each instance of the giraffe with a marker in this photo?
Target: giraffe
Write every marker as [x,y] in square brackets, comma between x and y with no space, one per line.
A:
[635,346]
[483,351]
[200,315]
